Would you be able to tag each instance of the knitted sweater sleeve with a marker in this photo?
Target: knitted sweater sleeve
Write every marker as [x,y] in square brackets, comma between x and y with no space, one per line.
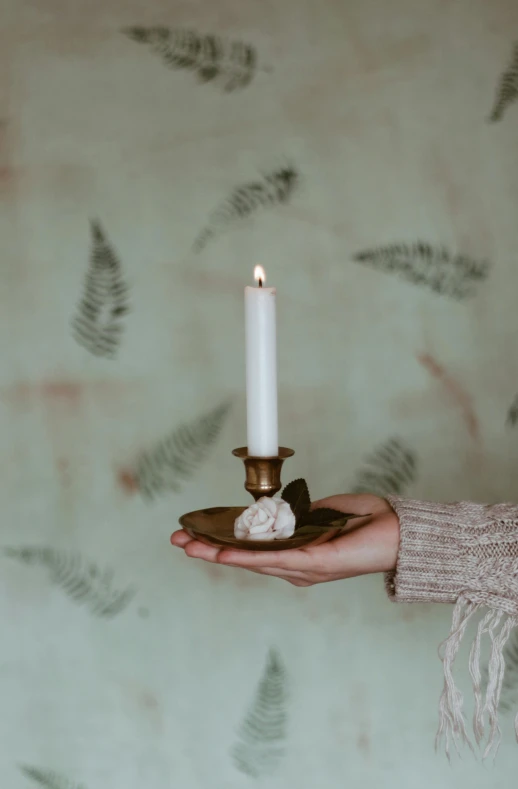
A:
[466,554]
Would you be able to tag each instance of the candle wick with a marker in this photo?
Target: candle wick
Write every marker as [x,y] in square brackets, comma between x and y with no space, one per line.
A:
[260,283]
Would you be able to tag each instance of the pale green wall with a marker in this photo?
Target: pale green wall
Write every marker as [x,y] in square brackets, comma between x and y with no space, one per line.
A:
[382,108]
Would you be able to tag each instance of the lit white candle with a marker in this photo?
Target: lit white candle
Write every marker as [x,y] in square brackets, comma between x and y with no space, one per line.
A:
[261,368]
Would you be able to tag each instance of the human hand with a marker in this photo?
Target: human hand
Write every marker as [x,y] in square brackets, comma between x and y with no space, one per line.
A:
[370,546]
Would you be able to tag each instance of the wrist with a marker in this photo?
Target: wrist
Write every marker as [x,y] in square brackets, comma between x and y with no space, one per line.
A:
[392,539]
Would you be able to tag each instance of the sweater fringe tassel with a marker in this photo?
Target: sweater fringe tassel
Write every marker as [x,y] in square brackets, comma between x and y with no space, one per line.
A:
[452,721]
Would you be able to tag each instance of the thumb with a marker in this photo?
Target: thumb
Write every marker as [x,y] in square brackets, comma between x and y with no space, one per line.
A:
[357,503]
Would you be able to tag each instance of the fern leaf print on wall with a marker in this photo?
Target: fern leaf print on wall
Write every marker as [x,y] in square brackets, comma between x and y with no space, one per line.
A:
[48,779]
[512,414]
[230,64]
[176,458]
[274,188]
[82,581]
[507,90]
[98,323]
[452,275]
[262,735]
[390,469]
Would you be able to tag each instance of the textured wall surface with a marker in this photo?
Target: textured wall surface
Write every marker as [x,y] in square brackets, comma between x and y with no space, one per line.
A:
[150,154]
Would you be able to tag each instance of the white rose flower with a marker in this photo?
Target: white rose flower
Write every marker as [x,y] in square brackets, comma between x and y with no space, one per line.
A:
[267,519]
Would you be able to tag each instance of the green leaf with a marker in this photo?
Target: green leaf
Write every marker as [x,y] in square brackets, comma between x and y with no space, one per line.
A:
[296,493]
[315,531]
[324,517]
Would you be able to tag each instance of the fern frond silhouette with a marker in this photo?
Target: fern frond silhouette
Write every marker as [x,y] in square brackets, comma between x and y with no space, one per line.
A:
[263,732]
[274,188]
[82,581]
[49,779]
[388,470]
[435,268]
[507,90]
[230,64]
[98,323]
[176,458]
[512,414]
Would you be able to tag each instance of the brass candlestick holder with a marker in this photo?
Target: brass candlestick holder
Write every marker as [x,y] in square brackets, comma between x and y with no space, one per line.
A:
[263,475]
[215,526]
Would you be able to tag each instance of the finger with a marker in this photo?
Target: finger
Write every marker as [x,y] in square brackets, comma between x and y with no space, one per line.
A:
[180,538]
[279,560]
[298,579]
[199,550]
[268,571]
[361,504]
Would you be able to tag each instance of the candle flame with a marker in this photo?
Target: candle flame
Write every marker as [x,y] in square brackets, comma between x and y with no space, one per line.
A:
[260,275]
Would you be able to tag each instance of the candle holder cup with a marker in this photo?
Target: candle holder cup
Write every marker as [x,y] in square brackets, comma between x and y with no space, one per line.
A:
[215,526]
[263,475]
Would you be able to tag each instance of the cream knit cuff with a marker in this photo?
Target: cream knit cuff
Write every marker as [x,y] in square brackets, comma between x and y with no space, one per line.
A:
[429,565]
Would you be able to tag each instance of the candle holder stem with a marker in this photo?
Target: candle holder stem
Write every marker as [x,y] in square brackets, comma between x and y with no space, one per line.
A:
[263,475]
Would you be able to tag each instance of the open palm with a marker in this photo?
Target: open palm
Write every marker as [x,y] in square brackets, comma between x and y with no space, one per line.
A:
[370,546]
